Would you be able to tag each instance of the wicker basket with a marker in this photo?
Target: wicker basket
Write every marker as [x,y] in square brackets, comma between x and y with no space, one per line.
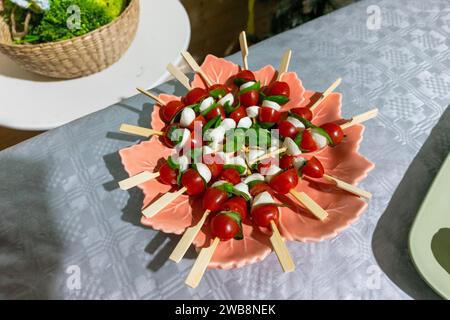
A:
[76,57]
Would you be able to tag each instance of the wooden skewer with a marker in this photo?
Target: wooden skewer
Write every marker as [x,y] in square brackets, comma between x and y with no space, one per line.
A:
[179,75]
[200,265]
[137,179]
[162,202]
[361,118]
[310,204]
[139,131]
[284,64]
[244,49]
[151,95]
[348,187]
[195,67]
[267,155]
[326,93]
[187,239]
[281,250]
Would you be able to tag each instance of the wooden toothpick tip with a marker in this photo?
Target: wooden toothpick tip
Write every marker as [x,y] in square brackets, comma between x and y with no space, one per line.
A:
[281,250]
[244,49]
[139,131]
[200,265]
[151,95]
[349,187]
[284,64]
[310,204]
[360,118]
[162,202]
[195,67]
[326,93]
[187,239]
[179,75]
[138,179]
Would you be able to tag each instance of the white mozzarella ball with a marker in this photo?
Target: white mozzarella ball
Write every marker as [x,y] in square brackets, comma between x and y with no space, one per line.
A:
[183,161]
[297,123]
[228,124]
[215,135]
[206,103]
[271,104]
[319,139]
[204,171]
[243,187]
[292,148]
[262,198]
[252,111]
[218,183]
[187,116]
[272,171]
[245,122]
[254,177]
[227,98]
[299,162]
[184,140]
[246,85]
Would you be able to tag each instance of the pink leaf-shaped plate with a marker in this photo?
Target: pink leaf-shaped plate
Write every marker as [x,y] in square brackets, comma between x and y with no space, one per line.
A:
[342,161]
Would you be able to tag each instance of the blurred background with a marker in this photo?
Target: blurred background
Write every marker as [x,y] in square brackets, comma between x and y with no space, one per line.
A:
[216,24]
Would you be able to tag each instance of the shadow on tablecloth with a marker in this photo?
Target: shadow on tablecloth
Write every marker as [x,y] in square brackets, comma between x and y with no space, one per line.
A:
[390,239]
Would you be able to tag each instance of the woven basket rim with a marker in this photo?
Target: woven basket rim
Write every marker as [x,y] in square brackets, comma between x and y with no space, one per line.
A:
[79,38]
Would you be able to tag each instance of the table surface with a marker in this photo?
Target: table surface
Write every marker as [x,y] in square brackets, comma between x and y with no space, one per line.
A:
[57,102]
[62,216]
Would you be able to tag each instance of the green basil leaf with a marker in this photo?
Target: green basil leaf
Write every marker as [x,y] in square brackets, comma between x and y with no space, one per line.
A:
[305,122]
[179,177]
[240,169]
[227,187]
[218,121]
[239,81]
[218,93]
[298,138]
[255,86]
[253,183]
[278,99]
[241,194]
[238,219]
[211,107]
[229,108]
[210,123]
[322,132]
[174,165]
[195,107]
[266,125]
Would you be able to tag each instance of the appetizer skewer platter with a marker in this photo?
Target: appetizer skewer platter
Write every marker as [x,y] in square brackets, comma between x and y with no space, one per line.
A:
[244,161]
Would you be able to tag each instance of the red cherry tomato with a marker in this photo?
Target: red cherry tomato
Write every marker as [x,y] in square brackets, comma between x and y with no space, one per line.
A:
[267,114]
[308,143]
[263,214]
[169,111]
[287,129]
[249,98]
[213,199]
[167,175]
[200,120]
[238,114]
[236,204]
[303,112]
[193,182]
[219,86]
[286,162]
[166,140]
[265,164]
[313,168]
[216,112]
[224,227]
[244,76]
[231,175]
[334,131]
[278,88]
[259,188]
[214,163]
[285,181]
[195,96]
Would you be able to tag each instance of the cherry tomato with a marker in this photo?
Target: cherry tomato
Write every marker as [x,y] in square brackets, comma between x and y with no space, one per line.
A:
[263,214]
[259,188]
[224,227]
[285,181]
[167,175]
[313,168]
[231,175]
[169,111]
[334,131]
[265,164]
[193,182]
[238,114]
[243,77]
[166,140]
[236,204]
[200,120]
[286,162]
[267,114]
[216,112]
[308,143]
[303,112]
[213,199]
[194,96]
[249,98]
[287,129]
[214,163]
[278,88]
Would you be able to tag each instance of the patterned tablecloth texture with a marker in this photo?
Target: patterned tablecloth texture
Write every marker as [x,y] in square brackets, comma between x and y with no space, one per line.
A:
[62,215]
